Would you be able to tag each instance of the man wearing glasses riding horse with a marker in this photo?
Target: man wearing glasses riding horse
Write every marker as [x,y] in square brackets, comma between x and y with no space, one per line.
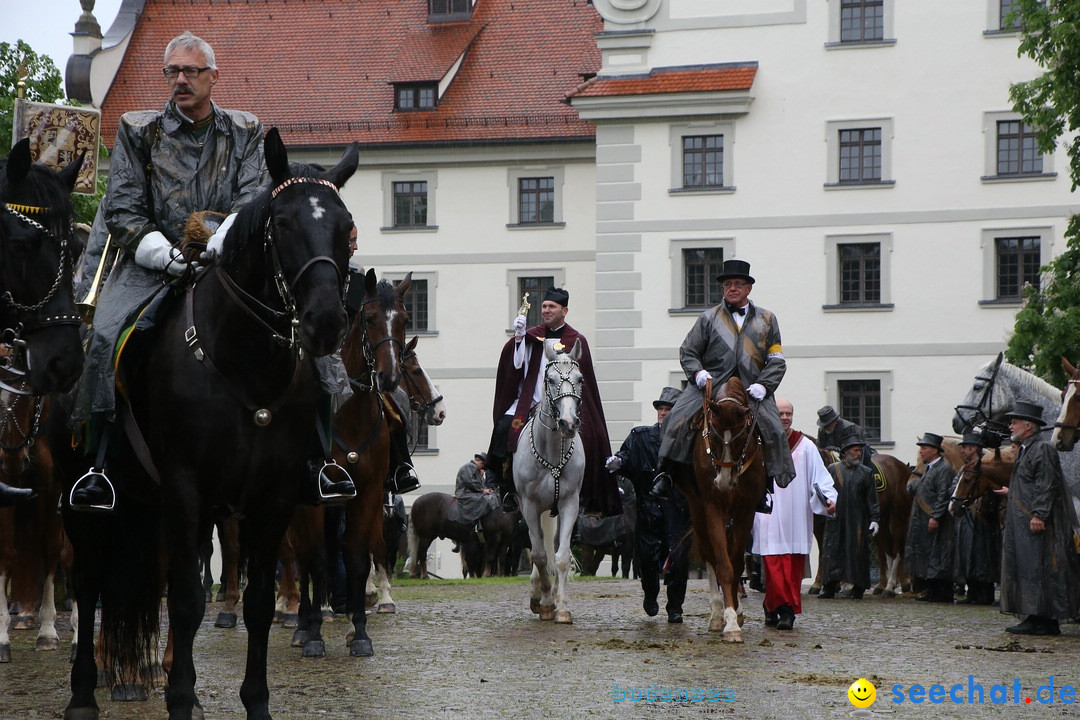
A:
[735,337]
[189,157]
[519,387]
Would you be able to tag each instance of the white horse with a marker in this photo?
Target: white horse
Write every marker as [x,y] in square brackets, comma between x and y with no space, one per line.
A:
[549,466]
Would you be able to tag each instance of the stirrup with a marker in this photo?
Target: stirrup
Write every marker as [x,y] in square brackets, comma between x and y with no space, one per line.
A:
[91,507]
[334,498]
[510,503]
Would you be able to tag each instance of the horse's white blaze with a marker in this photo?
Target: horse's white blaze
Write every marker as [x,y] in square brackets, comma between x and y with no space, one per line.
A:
[317,210]
[437,412]
[1056,437]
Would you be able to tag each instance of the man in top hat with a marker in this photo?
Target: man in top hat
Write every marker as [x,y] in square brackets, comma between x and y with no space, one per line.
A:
[735,337]
[1040,569]
[978,530]
[832,427]
[519,386]
[845,551]
[784,538]
[928,555]
[662,543]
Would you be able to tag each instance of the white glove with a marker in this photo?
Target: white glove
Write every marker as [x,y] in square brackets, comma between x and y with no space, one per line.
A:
[873,529]
[756,391]
[155,252]
[213,245]
[519,325]
[701,378]
[613,463]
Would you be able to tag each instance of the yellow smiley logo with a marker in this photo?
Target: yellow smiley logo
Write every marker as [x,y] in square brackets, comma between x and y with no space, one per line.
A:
[862,693]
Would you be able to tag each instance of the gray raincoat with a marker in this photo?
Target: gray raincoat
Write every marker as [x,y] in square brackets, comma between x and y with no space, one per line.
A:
[470,503]
[1040,574]
[716,344]
[930,554]
[845,547]
[159,174]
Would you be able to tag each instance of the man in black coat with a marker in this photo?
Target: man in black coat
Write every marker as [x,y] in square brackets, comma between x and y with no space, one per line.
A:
[662,540]
[928,555]
[833,429]
[845,553]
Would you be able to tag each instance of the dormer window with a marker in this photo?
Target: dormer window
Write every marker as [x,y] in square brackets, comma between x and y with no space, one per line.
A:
[440,11]
[416,96]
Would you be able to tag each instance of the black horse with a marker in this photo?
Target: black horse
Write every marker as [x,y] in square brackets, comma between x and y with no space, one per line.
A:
[38,248]
[226,402]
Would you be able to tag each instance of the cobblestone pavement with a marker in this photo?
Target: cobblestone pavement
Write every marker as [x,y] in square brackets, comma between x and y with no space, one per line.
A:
[467,650]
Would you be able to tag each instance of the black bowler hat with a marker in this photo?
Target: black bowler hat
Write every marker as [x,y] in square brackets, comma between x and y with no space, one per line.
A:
[558,295]
[1026,411]
[481,456]
[972,438]
[826,415]
[668,396]
[852,438]
[931,440]
[735,270]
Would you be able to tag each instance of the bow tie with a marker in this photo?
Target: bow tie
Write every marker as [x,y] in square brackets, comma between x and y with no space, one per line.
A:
[736,311]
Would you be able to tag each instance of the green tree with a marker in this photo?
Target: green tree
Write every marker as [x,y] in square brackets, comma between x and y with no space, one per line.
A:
[43,84]
[1048,325]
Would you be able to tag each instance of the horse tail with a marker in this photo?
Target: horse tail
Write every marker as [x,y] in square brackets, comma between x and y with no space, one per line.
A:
[131,593]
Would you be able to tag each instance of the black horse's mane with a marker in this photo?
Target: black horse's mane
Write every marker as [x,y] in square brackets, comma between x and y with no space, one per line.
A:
[41,188]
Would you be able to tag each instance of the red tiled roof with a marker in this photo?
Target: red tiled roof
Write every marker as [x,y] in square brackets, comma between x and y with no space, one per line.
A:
[705,78]
[322,70]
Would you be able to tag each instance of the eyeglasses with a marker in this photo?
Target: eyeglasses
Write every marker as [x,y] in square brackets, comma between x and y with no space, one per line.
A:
[190,71]
[734,284]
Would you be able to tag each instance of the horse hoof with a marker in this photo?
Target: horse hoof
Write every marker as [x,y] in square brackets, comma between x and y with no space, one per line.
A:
[83,713]
[220,597]
[128,692]
[386,608]
[197,712]
[225,620]
[716,625]
[370,600]
[888,594]
[327,615]
[5,653]
[22,622]
[361,648]
[279,617]
[299,637]
[734,636]
[564,617]
[104,678]
[314,648]
[290,620]
[47,644]
[878,591]
[534,605]
[814,590]
[157,674]
[547,612]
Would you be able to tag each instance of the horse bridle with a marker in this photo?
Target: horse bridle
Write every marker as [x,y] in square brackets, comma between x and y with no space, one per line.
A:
[29,435]
[749,424]
[369,349]
[414,403]
[1068,426]
[978,415]
[967,502]
[565,452]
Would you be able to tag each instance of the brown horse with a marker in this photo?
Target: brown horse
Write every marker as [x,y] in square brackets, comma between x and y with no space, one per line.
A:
[723,487]
[30,532]
[429,520]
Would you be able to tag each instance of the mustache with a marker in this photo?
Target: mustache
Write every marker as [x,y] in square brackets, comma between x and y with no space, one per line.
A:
[182,91]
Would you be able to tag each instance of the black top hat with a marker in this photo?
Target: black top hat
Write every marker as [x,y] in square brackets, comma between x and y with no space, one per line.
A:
[826,415]
[931,440]
[668,396]
[972,438]
[851,438]
[481,456]
[735,270]
[558,295]
[1026,411]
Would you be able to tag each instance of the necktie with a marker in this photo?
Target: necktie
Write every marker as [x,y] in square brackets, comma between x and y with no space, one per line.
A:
[736,311]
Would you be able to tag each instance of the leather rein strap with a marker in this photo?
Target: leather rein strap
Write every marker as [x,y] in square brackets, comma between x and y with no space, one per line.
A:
[744,460]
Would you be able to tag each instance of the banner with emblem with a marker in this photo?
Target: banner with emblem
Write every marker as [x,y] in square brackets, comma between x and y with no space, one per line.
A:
[58,134]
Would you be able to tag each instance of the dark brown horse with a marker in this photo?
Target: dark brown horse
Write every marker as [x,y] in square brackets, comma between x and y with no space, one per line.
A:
[612,536]
[429,519]
[723,487]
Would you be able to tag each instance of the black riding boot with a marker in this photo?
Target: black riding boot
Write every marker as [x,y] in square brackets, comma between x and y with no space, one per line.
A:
[321,489]
[11,495]
[764,505]
[662,482]
[402,477]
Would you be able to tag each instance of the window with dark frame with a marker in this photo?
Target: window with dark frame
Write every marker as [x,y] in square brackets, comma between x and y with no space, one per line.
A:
[860,402]
[447,10]
[1018,263]
[860,273]
[536,200]
[416,303]
[416,96]
[410,204]
[862,20]
[1017,149]
[421,437]
[703,161]
[700,268]
[860,155]
[536,287]
[1003,17]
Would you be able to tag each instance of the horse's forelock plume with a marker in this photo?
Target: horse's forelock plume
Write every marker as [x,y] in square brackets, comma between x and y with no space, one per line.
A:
[41,188]
[250,223]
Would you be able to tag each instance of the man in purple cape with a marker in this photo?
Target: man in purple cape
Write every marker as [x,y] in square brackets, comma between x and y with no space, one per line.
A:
[519,387]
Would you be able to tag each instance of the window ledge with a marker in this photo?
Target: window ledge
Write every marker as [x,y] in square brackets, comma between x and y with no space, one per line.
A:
[999,33]
[859,307]
[862,185]
[689,310]
[887,42]
[535,226]
[717,190]
[423,333]
[410,229]
[1002,302]
[1029,177]
[427,451]
[882,444]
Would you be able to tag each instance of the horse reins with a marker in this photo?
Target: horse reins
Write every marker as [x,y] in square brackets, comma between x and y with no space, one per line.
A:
[1067,426]
[564,451]
[748,428]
